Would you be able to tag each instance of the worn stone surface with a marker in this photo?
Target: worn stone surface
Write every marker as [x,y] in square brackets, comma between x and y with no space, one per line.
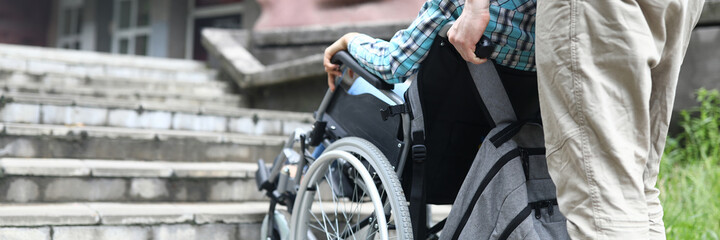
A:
[20,113]
[163,116]
[12,64]
[73,115]
[249,231]
[43,167]
[22,190]
[41,233]
[52,80]
[44,66]
[129,214]
[216,170]
[101,233]
[47,214]
[199,94]
[248,212]
[195,232]
[232,190]
[199,123]
[148,188]
[263,127]
[112,143]
[242,125]
[69,189]
[88,116]
[123,168]
[17,52]
[17,148]
[168,232]
[127,168]
[216,231]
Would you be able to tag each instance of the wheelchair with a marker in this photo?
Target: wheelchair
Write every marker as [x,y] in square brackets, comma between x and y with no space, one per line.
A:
[365,170]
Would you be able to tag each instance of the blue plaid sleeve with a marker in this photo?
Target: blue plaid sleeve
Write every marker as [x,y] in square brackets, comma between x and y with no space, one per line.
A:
[399,58]
[511,29]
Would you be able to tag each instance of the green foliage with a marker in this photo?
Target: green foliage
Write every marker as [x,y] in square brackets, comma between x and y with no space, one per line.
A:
[690,173]
[700,139]
[691,201]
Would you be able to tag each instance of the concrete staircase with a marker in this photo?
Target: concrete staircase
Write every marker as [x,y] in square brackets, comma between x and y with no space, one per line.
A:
[98,146]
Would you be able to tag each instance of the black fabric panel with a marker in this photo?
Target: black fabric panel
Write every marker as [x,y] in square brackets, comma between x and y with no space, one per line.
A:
[454,122]
[359,116]
[522,89]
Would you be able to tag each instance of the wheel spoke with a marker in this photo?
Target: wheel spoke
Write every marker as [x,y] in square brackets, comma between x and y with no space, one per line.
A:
[352,202]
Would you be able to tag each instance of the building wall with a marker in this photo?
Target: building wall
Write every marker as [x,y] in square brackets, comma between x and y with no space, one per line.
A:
[102,32]
[700,67]
[294,13]
[24,22]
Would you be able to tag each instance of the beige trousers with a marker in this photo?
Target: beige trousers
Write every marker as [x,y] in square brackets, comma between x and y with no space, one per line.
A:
[607,73]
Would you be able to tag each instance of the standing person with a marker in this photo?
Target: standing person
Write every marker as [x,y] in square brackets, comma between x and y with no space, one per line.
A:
[607,74]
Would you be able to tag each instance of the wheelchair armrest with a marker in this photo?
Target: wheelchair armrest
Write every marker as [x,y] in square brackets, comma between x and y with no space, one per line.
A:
[344,58]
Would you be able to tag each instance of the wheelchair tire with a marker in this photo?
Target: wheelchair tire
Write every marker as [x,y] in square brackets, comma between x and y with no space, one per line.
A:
[280,227]
[375,180]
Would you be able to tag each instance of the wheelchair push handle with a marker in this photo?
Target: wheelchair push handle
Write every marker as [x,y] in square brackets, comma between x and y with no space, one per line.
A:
[483,49]
[344,58]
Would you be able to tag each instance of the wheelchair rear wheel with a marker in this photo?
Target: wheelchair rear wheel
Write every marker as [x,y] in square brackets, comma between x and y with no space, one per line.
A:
[375,209]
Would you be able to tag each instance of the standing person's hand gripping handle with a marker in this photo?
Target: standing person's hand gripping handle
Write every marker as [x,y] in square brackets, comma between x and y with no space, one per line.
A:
[468,29]
[333,70]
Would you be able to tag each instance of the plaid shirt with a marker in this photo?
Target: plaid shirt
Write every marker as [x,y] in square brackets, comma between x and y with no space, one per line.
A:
[511,28]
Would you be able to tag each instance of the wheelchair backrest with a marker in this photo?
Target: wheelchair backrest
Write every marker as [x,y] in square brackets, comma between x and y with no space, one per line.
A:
[359,116]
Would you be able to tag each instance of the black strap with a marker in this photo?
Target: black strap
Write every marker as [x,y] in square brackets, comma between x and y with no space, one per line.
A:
[418,210]
[515,223]
[507,133]
[391,111]
[438,226]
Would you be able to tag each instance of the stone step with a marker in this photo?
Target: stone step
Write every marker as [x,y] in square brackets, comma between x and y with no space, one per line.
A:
[61,81]
[87,111]
[87,63]
[102,71]
[43,180]
[142,221]
[130,221]
[110,94]
[171,104]
[89,142]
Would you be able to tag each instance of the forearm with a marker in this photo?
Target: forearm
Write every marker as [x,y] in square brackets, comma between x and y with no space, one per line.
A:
[399,58]
[376,55]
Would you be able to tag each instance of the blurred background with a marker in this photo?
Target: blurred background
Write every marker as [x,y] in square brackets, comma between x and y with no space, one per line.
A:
[142,119]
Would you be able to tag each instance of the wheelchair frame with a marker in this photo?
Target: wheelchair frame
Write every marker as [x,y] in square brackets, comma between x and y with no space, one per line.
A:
[284,189]
[280,187]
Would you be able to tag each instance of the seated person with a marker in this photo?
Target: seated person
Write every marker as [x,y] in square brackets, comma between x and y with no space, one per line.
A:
[511,28]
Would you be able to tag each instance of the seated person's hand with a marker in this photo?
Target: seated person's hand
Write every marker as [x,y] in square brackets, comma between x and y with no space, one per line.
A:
[333,70]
